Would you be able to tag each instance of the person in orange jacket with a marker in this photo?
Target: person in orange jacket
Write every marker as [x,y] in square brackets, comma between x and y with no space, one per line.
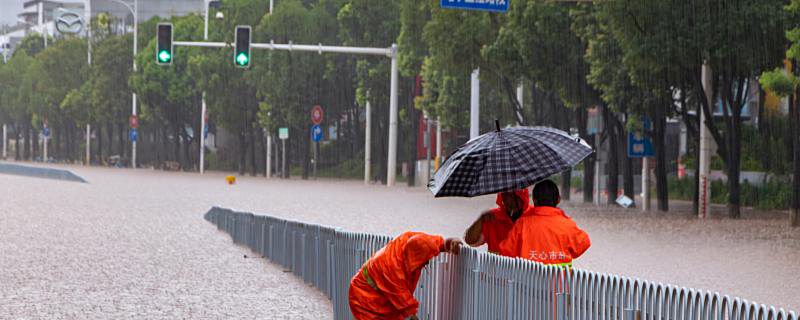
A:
[493,225]
[384,286]
[547,235]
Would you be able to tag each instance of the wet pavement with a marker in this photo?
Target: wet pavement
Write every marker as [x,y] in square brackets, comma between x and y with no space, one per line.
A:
[134,243]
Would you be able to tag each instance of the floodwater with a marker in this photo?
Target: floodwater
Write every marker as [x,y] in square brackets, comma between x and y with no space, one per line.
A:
[134,244]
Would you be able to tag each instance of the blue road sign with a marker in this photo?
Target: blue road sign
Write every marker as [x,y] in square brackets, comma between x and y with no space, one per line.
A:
[639,146]
[482,5]
[316,133]
[133,134]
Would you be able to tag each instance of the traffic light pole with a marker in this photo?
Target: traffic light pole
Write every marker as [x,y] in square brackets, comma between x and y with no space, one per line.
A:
[390,52]
[135,45]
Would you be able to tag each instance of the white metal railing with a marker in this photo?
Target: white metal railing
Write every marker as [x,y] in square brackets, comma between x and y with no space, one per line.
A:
[479,285]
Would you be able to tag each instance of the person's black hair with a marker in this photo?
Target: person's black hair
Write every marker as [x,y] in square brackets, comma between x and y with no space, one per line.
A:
[546,194]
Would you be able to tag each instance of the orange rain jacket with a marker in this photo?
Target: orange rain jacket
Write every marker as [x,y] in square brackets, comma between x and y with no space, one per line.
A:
[495,231]
[384,286]
[548,236]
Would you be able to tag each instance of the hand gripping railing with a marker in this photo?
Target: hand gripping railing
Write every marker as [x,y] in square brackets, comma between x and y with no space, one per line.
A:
[478,285]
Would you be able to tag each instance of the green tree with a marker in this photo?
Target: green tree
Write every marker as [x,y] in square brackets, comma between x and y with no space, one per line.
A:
[785,84]
[664,47]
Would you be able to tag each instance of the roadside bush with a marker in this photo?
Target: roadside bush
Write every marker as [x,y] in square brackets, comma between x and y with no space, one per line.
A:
[774,194]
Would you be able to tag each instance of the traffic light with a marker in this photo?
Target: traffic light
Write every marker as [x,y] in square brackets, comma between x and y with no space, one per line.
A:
[241,55]
[164,50]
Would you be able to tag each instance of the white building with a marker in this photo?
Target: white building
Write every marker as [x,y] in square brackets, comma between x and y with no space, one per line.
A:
[37,15]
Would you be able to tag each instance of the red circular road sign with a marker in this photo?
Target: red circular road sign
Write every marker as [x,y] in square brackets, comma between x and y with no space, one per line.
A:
[316,114]
[134,121]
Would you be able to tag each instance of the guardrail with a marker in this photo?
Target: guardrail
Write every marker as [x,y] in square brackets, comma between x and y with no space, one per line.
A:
[479,285]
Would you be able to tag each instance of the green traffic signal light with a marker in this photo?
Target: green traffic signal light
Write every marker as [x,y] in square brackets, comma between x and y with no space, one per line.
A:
[164,56]
[242,59]
[164,44]
[241,53]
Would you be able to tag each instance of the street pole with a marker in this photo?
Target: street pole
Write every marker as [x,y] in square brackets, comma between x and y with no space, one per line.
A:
[203,134]
[42,26]
[135,45]
[270,6]
[283,165]
[520,98]
[645,184]
[704,189]
[316,154]
[203,105]
[597,166]
[268,171]
[367,144]
[392,165]
[438,142]
[428,143]
[88,24]
[88,144]
[5,142]
[474,104]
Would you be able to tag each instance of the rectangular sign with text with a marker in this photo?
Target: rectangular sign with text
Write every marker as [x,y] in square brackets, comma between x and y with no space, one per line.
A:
[482,5]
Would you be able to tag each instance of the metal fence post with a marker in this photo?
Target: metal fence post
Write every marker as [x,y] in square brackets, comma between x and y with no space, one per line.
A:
[561,306]
[633,314]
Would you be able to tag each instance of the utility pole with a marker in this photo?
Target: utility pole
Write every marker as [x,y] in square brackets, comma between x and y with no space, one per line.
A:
[474,104]
[704,189]
[268,168]
[438,142]
[428,143]
[283,164]
[645,184]
[88,144]
[368,144]
[135,46]
[88,24]
[392,165]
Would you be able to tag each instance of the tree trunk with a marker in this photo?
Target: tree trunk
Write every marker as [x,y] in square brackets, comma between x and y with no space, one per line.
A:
[35,138]
[612,182]
[58,137]
[27,151]
[99,144]
[263,142]
[588,163]
[659,125]
[252,142]
[17,155]
[413,136]
[241,152]
[794,215]
[187,156]
[566,176]
[627,175]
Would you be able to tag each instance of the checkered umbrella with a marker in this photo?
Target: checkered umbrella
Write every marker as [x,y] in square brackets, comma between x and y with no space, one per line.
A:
[506,160]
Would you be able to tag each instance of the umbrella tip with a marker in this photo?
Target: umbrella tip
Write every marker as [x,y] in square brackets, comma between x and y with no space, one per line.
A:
[497,124]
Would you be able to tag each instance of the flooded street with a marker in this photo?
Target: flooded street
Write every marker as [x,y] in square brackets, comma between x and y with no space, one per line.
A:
[133,244]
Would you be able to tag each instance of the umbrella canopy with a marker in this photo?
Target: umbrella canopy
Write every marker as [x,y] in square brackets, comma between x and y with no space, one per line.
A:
[506,160]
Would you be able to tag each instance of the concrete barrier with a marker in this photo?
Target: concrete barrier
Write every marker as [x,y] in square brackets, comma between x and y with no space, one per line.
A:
[39,172]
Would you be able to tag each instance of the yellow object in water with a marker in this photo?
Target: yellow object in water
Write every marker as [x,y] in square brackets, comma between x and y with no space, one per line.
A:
[230,179]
